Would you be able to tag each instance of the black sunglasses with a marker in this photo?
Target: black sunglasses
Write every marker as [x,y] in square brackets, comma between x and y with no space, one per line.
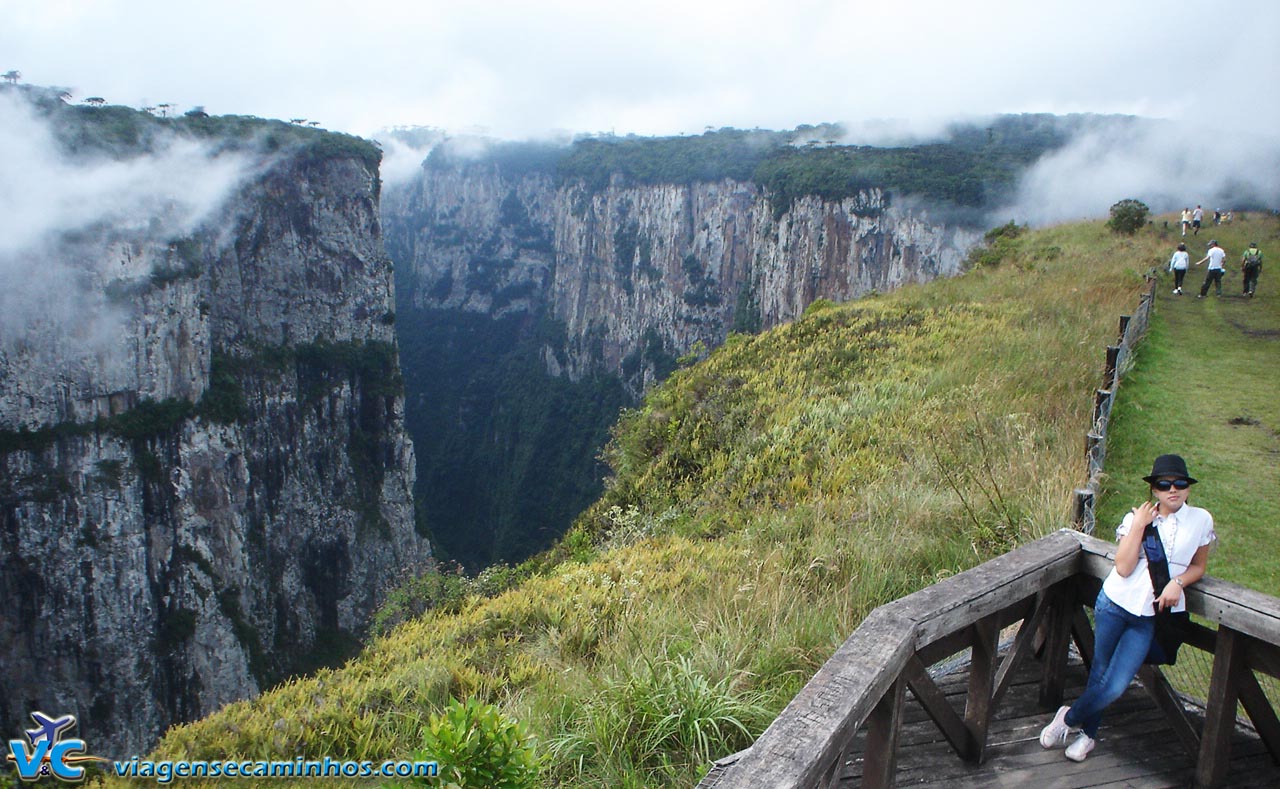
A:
[1166,484]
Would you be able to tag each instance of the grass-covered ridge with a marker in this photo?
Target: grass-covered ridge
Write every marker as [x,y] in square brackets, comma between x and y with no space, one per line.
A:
[117,131]
[763,502]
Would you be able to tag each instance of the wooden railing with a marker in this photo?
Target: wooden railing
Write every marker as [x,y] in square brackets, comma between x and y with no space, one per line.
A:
[1043,586]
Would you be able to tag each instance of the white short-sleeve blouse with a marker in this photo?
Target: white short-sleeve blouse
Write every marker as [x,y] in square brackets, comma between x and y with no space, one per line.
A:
[1183,533]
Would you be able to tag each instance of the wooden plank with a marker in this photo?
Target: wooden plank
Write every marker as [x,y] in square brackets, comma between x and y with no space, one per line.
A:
[718,769]
[935,704]
[1220,709]
[1016,758]
[1136,749]
[883,726]
[1242,609]
[1062,605]
[1166,698]
[944,647]
[1239,608]
[1260,711]
[1018,612]
[1263,657]
[806,743]
[1201,637]
[959,601]
[982,671]
[811,733]
[1082,634]
[1023,645]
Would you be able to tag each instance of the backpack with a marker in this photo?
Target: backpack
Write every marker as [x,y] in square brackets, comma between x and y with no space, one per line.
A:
[1253,257]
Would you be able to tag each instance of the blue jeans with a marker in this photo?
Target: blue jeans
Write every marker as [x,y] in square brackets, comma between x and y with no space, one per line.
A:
[1120,645]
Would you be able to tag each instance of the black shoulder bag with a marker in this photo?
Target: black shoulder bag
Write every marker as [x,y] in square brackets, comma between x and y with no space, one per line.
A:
[1171,627]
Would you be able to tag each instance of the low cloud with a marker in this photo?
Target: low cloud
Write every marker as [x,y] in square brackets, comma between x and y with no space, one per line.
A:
[1166,165]
[69,226]
[403,154]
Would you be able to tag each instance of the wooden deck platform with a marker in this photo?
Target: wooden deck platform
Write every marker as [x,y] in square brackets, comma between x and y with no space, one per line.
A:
[983,722]
[1136,747]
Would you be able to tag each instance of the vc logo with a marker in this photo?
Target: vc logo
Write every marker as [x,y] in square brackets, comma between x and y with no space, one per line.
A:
[49,754]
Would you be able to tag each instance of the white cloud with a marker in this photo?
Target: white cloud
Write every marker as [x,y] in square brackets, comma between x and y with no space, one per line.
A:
[59,219]
[657,66]
[44,195]
[892,72]
[1166,165]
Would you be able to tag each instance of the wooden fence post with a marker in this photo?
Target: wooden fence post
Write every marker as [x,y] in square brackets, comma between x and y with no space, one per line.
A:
[1082,512]
[1095,449]
[1220,708]
[1057,626]
[1101,409]
[880,762]
[1113,364]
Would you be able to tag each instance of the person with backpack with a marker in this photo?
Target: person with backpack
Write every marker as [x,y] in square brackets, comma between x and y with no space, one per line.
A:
[1165,539]
[1178,265]
[1252,263]
[1216,257]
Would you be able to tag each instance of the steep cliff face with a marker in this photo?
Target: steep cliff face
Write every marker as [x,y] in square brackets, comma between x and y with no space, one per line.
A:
[581,288]
[634,272]
[214,489]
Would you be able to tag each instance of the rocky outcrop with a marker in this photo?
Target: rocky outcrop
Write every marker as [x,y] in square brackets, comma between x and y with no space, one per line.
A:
[635,272]
[213,491]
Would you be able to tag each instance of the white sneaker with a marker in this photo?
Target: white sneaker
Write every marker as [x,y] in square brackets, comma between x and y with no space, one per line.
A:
[1079,749]
[1055,734]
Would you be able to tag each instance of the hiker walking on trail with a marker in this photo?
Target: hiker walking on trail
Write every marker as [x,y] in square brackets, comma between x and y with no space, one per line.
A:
[1178,265]
[1217,257]
[1196,216]
[1186,220]
[1163,548]
[1251,261]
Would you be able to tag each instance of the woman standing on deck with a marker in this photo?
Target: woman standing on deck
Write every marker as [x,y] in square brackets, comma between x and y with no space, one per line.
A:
[1125,611]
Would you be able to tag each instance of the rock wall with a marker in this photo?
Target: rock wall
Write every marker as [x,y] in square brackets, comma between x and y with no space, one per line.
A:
[215,491]
[631,269]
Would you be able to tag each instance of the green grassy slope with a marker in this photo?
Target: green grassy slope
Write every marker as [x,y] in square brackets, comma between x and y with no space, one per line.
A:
[763,502]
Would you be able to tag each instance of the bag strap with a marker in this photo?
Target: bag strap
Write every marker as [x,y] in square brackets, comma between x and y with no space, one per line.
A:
[1157,562]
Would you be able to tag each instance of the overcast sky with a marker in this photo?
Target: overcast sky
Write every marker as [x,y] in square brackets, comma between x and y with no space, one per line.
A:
[518,69]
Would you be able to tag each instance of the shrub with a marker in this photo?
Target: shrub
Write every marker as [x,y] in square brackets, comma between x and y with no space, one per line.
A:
[999,244]
[1127,216]
[477,747]
[1009,231]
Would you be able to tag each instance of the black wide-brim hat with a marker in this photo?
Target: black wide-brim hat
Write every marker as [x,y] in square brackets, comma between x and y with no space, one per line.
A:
[1169,466]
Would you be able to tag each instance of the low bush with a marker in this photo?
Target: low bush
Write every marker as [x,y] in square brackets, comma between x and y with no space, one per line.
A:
[478,747]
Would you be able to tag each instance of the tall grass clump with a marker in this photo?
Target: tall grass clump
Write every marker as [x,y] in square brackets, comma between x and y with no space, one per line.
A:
[655,723]
[761,503]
